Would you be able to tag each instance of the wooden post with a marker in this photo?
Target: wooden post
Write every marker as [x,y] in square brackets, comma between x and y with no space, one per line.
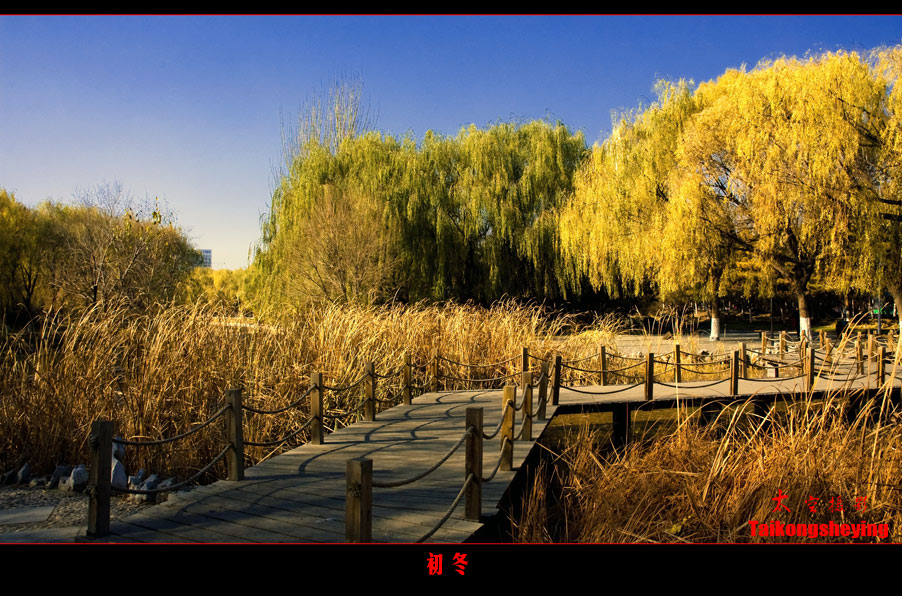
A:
[603,364]
[556,385]
[858,355]
[317,431]
[526,383]
[828,352]
[809,372]
[677,365]
[473,465]
[621,417]
[763,344]
[235,433]
[507,428]
[543,391]
[782,344]
[743,362]
[359,500]
[405,378]
[881,366]
[734,373]
[870,350]
[650,376]
[101,441]
[435,373]
[823,338]
[369,391]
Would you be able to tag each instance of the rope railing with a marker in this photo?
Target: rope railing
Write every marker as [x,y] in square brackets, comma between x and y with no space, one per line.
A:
[450,510]
[583,391]
[511,359]
[529,380]
[431,469]
[183,435]
[283,439]
[290,406]
[341,389]
[173,487]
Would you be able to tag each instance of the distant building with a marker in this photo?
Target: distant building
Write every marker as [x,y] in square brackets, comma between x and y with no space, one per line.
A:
[207,255]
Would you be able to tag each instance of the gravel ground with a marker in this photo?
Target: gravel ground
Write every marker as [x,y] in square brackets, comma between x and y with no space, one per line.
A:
[70,509]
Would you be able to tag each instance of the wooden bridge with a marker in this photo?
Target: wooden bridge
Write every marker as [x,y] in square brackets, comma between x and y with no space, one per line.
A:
[438,466]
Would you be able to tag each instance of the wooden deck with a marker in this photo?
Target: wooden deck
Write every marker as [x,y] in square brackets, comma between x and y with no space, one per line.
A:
[299,496]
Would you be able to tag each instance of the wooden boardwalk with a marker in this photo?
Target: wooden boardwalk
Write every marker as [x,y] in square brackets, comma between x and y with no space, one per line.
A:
[300,496]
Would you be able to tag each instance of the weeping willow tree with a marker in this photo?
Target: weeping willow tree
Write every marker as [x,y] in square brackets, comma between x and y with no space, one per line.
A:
[368,217]
[780,152]
[625,229]
[773,168]
[882,240]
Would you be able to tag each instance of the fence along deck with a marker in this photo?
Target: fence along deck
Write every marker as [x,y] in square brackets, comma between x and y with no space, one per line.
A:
[428,469]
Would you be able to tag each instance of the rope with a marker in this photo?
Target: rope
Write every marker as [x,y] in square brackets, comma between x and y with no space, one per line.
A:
[511,359]
[177,437]
[351,386]
[601,392]
[708,372]
[390,399]
[519,434]
[595,355]
[512,375]
[630,358]
[280,410]
[282,440]
[724,361]
[538,358]
[495,432]
[135,491]
[622,368]
[388,375]
[451,509]
[585,370]
[538,382]
[698,386]
[398,483]
[495,471]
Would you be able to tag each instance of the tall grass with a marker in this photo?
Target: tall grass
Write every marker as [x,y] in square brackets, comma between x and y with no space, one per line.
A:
[160,374]
[705,484]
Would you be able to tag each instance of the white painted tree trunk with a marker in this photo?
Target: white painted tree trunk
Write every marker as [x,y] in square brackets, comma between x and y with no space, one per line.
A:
[805,327]
[715,329]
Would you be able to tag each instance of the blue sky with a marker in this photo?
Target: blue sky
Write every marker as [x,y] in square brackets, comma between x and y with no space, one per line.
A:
[190,108]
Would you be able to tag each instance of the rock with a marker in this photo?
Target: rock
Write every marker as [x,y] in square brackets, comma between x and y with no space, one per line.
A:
[118,477]
[58,474]
[135,481]
[24,474]
[118,450]
[151,483]
[36,482]
[78,480]
[165,484]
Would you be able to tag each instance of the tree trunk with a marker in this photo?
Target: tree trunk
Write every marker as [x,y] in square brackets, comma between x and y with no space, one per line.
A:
[895,291]
[715,318]
[804,316]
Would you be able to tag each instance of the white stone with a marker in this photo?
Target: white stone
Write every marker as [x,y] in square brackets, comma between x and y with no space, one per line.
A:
[118,477]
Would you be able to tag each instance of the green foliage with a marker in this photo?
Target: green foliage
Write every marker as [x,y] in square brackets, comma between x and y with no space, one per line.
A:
[103,251]
[465,217]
